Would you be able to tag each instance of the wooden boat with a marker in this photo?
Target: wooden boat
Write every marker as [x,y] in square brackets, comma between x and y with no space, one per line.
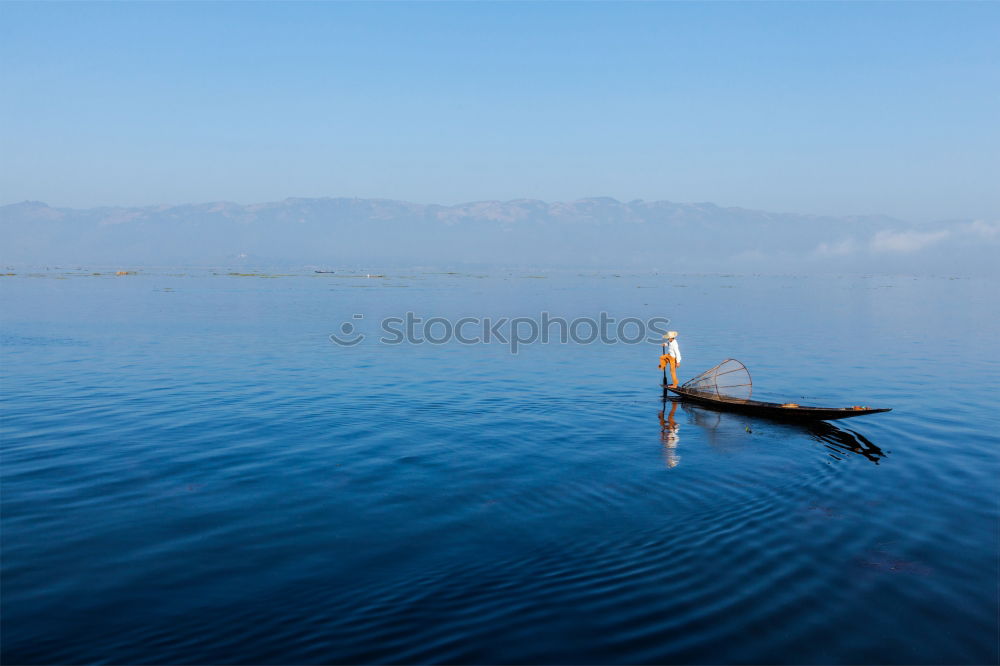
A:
[775,410]
[728,387]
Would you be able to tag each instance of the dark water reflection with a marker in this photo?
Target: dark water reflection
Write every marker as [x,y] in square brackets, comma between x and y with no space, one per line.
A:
[843,440]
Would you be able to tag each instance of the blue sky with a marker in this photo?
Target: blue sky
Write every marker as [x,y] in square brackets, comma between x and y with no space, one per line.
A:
[831,108]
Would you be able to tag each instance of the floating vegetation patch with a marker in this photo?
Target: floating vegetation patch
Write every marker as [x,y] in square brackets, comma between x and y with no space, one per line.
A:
[38,341]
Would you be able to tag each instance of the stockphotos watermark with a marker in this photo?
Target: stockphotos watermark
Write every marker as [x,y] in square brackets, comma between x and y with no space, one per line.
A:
[515,332]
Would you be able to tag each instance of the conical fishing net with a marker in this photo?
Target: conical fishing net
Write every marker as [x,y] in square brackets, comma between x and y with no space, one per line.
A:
[730,380]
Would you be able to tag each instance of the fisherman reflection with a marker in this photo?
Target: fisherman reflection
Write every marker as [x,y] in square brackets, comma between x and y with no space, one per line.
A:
[669,435]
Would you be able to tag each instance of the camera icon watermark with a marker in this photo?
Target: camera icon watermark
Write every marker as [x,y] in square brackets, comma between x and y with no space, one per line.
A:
[349,336]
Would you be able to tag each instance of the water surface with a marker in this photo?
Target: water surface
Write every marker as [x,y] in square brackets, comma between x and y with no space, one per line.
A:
[193,473]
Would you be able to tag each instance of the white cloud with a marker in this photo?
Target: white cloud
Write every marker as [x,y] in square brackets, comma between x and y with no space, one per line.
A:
[906,241]
[839,248]
[983,228]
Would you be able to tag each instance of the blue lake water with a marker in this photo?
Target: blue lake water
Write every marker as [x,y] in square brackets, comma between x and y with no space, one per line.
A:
[193,473]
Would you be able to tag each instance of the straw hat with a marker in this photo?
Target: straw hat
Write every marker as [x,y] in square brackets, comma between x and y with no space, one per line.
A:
[670,335]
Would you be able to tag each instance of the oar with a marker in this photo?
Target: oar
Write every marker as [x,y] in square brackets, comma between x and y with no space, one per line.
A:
[663,350]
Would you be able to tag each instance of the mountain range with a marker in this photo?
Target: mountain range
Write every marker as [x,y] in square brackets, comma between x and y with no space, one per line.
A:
[586,233]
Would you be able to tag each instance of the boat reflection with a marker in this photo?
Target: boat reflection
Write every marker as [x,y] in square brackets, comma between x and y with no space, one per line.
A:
[842,440]
[724,431]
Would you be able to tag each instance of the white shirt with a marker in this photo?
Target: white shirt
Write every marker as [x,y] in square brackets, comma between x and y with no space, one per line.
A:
[674,350]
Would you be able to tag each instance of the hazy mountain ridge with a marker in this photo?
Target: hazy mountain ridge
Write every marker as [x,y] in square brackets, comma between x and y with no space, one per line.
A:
[592,232]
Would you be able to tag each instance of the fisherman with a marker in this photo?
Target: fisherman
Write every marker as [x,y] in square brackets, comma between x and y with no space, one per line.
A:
[671,356]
